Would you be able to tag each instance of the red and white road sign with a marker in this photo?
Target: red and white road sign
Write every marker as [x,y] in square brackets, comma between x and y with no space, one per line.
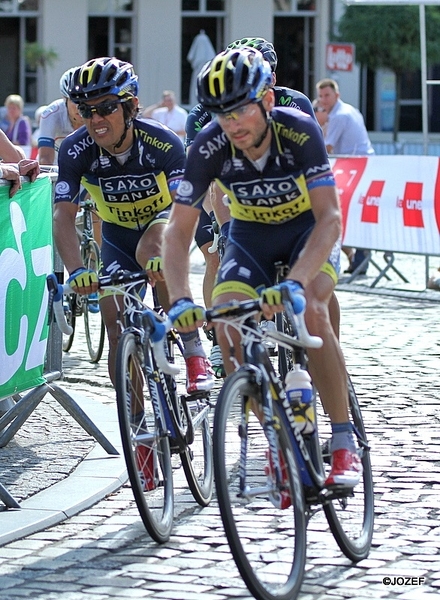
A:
[340,57]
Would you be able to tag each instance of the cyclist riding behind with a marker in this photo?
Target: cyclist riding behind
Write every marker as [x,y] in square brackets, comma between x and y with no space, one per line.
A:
[131,168]
[272,164]
[59,119]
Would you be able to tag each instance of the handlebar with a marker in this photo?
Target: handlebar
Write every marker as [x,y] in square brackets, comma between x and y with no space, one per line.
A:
[294,307]
[159,329]
[159,325]
[56,291]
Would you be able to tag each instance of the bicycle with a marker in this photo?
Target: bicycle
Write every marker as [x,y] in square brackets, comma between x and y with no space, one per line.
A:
[269,476]
[171,423]
[87,306]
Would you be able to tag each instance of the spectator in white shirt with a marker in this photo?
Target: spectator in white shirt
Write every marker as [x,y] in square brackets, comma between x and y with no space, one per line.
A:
[169,113]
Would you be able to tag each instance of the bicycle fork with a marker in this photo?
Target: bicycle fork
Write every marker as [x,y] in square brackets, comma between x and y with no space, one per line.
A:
[277,486]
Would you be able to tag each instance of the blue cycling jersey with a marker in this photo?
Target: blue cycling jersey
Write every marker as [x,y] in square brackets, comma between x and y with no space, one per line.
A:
[131,194]
[297,162]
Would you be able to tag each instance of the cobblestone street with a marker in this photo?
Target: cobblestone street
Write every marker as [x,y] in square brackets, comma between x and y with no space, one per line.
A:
[391,346]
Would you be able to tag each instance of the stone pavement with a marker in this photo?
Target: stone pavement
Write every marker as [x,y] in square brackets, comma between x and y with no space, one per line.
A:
[392,351]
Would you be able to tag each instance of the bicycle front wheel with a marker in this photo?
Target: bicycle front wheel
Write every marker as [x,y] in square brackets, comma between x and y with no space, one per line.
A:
[351,518]
[93,321]
[261,507]
[145,441]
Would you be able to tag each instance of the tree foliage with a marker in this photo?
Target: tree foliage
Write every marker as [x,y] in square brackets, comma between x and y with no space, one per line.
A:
[388,37]
[38,56]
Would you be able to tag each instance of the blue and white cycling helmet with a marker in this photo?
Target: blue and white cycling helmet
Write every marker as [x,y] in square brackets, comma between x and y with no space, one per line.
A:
[102,76]
[66,81]
[232,79]
[266,48]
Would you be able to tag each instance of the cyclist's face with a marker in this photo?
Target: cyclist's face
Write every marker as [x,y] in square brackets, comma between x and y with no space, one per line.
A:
[107,130]
[245,126]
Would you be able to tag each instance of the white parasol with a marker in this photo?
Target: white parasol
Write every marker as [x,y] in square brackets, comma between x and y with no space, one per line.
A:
[199,54]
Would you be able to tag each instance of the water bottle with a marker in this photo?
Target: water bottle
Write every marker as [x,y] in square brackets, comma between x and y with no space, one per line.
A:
[300,396]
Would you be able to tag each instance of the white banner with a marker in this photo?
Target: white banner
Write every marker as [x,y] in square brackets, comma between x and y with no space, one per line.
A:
[390,203]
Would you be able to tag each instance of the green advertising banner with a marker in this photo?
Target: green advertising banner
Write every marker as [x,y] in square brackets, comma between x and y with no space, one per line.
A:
[25,261]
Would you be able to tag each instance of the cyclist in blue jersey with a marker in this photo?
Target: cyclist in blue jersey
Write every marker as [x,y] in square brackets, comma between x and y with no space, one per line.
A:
[273,165]
[215,205]
[131,168]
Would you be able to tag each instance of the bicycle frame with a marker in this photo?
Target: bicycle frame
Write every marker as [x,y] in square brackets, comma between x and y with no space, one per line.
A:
[257,363]
[142,321]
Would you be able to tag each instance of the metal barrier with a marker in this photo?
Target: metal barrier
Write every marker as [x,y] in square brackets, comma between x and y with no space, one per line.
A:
[24,405]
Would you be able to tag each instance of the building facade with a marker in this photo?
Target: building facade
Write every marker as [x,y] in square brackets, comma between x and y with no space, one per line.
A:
[157,35]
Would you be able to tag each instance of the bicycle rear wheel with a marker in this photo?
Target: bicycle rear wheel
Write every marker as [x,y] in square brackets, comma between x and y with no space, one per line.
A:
[93,321]
[351,519]
[264,519]
[193,419]
[197,459]
[70,307]
[145,444]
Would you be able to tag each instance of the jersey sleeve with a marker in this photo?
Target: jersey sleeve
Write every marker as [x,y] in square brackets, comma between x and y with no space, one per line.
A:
[286,97]
[67,187]
[197,118]
[203,165]
[302,136]
[48,126]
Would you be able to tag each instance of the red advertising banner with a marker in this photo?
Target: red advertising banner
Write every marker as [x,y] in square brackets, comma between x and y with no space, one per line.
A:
[390,203]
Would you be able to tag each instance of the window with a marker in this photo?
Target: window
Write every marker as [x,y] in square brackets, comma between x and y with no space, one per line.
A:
[293,6]
[112,34]
[14,6]
[199,16]
[203,5]
[17,30]
[109,6]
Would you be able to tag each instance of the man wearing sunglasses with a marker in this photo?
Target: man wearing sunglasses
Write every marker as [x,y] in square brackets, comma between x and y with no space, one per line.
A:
[273,165]
[131,169]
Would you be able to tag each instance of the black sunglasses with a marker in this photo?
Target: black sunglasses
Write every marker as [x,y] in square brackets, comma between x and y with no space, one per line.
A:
[103,110]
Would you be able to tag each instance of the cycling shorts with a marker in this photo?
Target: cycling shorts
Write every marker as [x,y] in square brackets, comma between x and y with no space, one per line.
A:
[119,244]
[204,232]
[252,249]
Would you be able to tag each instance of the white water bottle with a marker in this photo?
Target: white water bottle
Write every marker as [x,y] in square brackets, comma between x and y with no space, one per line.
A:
[299,393]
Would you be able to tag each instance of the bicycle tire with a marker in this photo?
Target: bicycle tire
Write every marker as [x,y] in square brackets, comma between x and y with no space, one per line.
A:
[192,414]
[351,519]
[69,305]
[268,543]
[146,450]
[93,322]
[197,460]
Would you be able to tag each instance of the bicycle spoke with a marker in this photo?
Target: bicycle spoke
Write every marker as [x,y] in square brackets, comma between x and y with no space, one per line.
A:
[197,458]
[351,516]
[264,518]
[93,322]
[145,441]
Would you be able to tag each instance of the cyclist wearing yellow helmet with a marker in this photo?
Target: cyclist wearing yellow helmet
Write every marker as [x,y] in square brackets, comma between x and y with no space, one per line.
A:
[273,165]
